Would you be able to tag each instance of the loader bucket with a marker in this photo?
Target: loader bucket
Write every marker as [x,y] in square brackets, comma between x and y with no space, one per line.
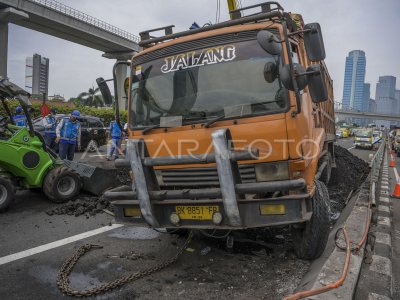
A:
[96,180]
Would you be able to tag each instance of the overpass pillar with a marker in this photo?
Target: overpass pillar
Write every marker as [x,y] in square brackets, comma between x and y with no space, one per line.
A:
[3,48]
[122,73]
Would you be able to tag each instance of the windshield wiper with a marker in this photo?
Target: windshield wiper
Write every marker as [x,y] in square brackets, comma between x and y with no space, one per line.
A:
[209,123]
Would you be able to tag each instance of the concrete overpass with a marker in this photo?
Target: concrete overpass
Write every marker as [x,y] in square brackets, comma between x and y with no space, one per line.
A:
[59,20]
[366,115]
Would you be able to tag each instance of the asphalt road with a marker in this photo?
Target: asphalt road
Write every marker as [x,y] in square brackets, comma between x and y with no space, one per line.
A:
[348,143]
[35,245]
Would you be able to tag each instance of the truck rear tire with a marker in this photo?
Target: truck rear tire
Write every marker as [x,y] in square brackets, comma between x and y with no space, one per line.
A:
[61,184]
[310,240]
[7,193]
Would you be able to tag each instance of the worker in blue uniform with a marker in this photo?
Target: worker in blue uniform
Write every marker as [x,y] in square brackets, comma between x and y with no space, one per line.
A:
[19,118]
[116,140]
[68,134]
[50,125]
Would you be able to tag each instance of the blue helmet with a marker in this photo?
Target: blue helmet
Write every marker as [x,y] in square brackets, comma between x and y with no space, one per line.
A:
[76,113]
[53,111]
[18,109]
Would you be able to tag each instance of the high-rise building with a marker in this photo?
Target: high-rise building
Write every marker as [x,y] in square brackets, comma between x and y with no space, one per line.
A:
[37,75]
[385,98]
[372,107]
[354,76]
[366,97]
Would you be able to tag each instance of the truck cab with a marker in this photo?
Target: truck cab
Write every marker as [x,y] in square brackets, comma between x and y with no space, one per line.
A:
[231,126]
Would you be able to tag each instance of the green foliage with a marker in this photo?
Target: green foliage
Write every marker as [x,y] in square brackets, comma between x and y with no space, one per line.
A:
[106,114]
[90,98]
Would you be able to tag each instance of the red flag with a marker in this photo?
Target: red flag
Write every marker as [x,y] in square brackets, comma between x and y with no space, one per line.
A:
[45,110]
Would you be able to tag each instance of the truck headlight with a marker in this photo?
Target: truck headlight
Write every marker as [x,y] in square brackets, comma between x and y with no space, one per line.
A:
[272,171]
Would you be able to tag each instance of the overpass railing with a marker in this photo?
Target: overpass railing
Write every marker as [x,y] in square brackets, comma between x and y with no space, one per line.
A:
[81,16]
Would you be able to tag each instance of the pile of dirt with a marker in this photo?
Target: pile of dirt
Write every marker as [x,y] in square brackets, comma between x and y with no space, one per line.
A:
[88,205]
[348,175]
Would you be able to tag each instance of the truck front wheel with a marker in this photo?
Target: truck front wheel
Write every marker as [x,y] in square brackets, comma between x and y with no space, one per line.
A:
[61,185]
[310,239]
[7,193]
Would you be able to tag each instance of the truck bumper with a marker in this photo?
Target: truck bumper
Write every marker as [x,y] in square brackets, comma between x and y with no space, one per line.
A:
[365,145]
[232,205]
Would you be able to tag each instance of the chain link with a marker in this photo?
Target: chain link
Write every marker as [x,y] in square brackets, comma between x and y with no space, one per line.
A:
[63,282]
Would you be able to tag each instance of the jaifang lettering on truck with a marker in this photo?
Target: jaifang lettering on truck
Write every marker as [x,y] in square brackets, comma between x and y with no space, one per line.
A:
[199,58]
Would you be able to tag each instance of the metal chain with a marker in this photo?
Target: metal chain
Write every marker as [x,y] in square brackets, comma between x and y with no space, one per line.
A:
[63,282]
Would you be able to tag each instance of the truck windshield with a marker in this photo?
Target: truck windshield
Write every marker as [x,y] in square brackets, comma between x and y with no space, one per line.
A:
[222,81]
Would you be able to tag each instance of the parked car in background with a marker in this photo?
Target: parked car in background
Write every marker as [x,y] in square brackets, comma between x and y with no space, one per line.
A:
[339,134]
[93,132]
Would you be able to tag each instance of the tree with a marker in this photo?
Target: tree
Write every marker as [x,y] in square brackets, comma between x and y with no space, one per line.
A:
[91,98]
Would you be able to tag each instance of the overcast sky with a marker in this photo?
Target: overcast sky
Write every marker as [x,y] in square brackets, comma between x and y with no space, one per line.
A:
[369,25]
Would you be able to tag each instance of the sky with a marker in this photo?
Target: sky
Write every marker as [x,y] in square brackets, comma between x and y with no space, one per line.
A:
[368,25]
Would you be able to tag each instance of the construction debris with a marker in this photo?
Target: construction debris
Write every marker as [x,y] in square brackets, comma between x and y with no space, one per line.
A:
[348,175]
[89,205]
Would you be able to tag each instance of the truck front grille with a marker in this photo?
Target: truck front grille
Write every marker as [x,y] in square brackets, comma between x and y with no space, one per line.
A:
[196,177]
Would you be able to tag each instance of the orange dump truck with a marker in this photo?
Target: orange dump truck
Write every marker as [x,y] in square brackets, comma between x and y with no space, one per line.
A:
[231,126]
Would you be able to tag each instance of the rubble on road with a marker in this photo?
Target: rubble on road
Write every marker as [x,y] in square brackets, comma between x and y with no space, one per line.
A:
[348,175]
[84,205]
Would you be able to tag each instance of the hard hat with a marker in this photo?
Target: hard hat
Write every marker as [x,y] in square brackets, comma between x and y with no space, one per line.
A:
[76,113]
[53,111]
[18,109]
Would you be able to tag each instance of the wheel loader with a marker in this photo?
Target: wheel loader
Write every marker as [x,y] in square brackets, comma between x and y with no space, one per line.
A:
[25,161]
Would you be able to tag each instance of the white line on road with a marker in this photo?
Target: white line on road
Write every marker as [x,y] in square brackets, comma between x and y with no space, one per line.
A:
[350,148]
[396,174]
[42,248]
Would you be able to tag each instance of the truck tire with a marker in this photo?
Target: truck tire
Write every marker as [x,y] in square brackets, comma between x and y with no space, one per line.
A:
[7,193]
[310,240]
[326,174]
[61,184]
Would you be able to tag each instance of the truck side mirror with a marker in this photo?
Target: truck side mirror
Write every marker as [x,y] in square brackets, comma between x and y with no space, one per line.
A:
[300,77]
[104,90]
[317,83]
[269,42]
[313,42]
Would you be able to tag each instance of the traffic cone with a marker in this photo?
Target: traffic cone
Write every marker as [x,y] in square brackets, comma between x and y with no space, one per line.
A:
[392,162]
[396,192]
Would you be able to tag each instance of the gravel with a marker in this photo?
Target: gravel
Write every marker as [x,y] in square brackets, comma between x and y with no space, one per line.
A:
[84,205]
[348,175]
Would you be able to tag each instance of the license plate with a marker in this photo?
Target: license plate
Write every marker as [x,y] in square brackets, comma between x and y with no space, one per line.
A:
[203,212]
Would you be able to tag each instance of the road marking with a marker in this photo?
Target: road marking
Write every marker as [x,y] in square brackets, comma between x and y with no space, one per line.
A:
[42,248]
[384,221]
[384,208]
[351,148]
[384,187]
[383,238]
[384,199]
[373,296]
[396,174]
[381,265]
